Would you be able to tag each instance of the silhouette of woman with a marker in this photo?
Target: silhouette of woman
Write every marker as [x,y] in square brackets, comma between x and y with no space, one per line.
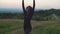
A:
[28,13]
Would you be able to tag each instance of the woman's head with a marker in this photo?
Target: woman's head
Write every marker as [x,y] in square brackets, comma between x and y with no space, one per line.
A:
[29,8]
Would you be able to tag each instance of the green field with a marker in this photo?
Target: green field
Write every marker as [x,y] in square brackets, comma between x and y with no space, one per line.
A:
[15,26]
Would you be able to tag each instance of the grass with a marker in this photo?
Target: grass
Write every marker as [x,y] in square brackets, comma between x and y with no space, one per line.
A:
[52,27]
[12,26]
[7,26]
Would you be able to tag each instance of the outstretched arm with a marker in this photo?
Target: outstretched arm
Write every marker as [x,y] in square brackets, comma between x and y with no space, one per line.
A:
[33,4]
[23,6]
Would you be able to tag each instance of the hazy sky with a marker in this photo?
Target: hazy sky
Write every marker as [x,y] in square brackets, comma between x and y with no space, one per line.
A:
[39,3]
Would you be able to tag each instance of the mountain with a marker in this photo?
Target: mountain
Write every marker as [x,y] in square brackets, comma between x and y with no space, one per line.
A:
[12,10]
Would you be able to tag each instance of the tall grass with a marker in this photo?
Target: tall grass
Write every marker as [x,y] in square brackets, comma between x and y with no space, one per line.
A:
[7,27]
[39,27]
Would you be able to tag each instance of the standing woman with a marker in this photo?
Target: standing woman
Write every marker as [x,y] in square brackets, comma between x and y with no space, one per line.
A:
[28,13]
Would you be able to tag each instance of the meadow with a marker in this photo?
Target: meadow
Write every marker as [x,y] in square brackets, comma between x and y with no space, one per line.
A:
[15,26]
[43,22]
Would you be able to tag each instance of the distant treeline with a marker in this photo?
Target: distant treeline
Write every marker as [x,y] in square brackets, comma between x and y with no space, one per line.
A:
[48,12]
[38,15]
[11,15]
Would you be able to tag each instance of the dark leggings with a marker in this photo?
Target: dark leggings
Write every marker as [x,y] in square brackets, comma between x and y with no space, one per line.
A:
[27,31]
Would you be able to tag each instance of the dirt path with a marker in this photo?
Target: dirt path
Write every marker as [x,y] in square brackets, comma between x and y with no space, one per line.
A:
[18,31]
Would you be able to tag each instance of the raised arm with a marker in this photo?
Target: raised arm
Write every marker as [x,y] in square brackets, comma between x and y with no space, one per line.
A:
[33,4]
[23,6]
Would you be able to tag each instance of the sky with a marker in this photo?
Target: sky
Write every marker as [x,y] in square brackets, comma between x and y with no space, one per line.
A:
[43,4]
